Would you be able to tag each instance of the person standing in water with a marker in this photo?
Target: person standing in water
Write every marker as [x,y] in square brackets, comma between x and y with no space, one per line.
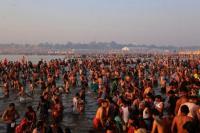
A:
[9,117]
[180,120]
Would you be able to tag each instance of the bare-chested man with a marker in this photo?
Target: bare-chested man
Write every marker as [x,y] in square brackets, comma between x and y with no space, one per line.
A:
[183,99]
[101,114]
[9,116]
[160,125]
[180,120]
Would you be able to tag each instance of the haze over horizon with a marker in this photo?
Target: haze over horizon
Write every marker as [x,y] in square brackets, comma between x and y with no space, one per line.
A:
[159,22]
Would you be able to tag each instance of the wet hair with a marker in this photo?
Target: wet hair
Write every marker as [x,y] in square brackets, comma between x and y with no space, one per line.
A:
[150,95]
[77,94]
[184,109]
[11,105]
[158,96]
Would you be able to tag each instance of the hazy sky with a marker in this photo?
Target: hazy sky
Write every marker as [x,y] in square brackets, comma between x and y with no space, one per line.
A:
[160,22]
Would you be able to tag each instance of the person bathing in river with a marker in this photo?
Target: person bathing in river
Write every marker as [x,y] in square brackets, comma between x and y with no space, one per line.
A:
[102,114]
[9,117]
[75,103]
[43,107]
[57,110]
[67,87]
[23,96]
[5,89]
[31,87]
[180,120]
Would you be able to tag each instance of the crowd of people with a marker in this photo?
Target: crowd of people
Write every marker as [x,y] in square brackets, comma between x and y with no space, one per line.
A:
[134,93]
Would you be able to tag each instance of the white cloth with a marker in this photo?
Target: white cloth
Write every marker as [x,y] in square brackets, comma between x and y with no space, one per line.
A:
[25,99]
[158,104]
[146,114]
[75,104]
[125,114]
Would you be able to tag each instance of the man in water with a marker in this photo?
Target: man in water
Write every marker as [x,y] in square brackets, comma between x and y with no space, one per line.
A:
[9,117]
[180,120]
[160,125]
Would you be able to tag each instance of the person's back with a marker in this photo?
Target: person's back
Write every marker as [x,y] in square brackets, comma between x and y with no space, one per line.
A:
[180,120]
[183,99]
[180,101]
[193,107]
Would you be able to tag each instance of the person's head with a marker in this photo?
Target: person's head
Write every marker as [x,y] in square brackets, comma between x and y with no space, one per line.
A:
[170,93]
[104,103]
[11,106]
[77,95]
[158,98]
[184,109]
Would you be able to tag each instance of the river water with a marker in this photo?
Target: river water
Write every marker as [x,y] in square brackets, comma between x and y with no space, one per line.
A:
[77,123]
